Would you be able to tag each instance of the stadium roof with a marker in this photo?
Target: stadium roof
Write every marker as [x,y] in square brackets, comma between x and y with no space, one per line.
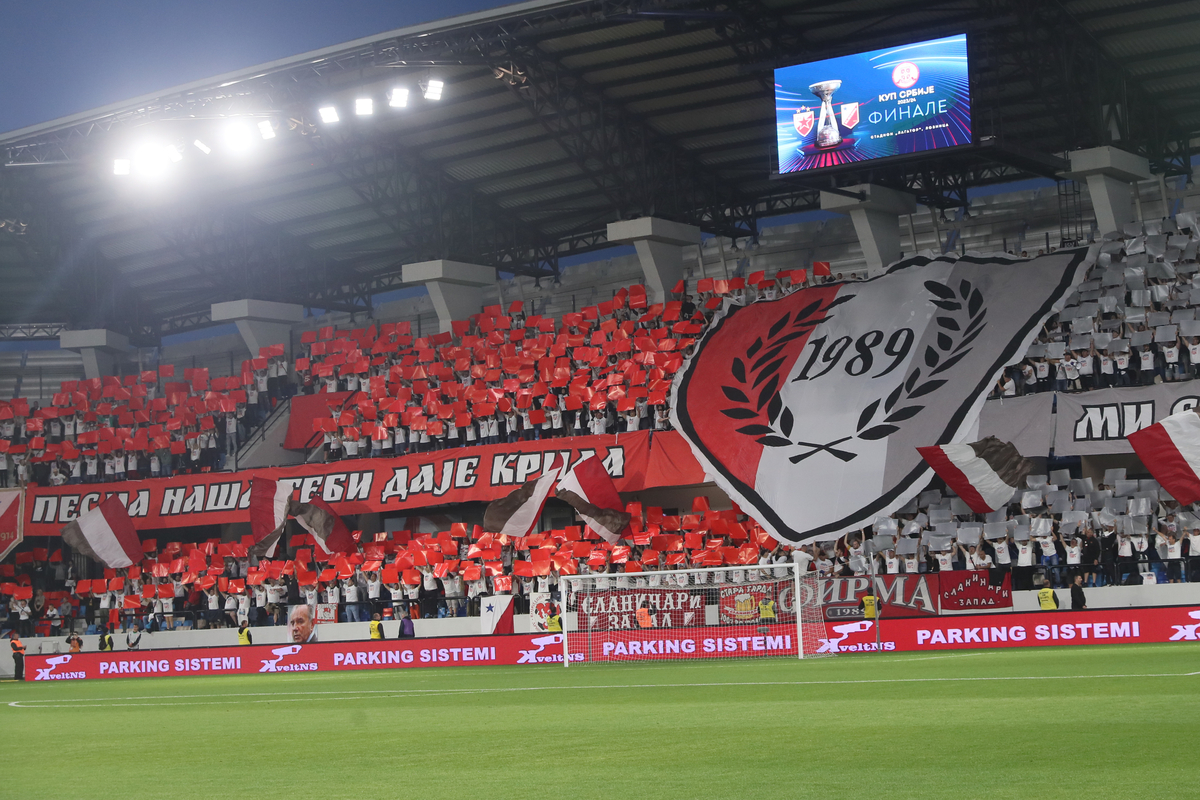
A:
[557,117]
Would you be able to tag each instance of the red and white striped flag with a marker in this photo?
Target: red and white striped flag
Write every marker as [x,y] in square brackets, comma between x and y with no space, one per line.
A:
[268,513]
[11,530]
[984,474]
[105,534]
[326,526]
[1171,451]
[591,492]
[517,514]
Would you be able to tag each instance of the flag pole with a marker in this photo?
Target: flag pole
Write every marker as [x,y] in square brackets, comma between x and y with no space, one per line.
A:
[874,590]
[564,583]
[796,603]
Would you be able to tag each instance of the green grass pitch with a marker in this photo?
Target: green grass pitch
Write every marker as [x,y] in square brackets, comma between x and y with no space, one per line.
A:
[1101,721]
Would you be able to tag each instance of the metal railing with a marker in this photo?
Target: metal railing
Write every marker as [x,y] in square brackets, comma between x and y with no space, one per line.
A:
[258,434]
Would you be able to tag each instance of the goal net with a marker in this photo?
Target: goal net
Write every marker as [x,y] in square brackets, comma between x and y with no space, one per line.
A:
[716,612]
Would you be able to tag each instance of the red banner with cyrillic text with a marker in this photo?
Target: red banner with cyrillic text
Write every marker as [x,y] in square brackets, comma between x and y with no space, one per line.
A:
[637,461]
[975,590]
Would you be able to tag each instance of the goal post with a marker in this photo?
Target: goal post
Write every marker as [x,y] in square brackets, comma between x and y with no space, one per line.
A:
[753,611]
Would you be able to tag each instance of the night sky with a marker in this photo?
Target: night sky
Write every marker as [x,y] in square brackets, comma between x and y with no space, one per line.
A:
[59,58]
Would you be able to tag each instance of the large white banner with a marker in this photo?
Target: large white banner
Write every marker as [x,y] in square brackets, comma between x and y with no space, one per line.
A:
[1027,422]
[1096,423]
[808,410]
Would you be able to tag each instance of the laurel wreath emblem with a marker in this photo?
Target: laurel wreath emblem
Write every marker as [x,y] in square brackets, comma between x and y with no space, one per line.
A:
[757,375]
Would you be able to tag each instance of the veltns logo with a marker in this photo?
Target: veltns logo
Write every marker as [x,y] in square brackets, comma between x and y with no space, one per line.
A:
[542,642]
[52,664]
[1187,633]
[848,629]
[280,653]
[809,408]
[831,645]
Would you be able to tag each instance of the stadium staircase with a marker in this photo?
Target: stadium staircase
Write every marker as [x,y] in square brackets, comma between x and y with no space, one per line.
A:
[265,448]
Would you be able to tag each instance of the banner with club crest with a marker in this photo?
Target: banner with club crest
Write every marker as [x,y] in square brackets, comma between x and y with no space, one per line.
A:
[807,410]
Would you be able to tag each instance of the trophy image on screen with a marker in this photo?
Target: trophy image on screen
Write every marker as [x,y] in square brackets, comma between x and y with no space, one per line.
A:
[827,127]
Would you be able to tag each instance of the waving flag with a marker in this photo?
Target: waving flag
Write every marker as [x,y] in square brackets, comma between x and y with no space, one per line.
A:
[11,516]
[1171,451]
[984,474]
[591,492]
[808,410]
[318,518]
[105,534]
[518,513]
[268,513]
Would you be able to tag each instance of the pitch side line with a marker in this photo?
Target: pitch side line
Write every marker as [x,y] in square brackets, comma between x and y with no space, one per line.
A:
[278,697]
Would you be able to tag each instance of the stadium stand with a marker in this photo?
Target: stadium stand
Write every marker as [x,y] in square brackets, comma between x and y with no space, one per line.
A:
[590,354]
[391,390]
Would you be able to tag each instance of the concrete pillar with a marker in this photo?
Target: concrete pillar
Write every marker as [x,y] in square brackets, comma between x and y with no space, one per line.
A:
[876,220]
[455,288]
[1109,173]
[100,349]
[261,322]
[659,244]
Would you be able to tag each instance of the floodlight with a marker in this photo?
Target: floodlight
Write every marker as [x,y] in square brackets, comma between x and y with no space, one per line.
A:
[399,97]
[202,147]
[433,89]
[238,137]
[121,166]
[173,153]
[266,129]
[328,114]
[150,160]
[364,106]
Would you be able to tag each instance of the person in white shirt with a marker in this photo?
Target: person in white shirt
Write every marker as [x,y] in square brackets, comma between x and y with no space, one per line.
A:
[374,585]
[350,593]
[231,609]
[260,604]
[243,607]
[945,561]
[1002,557]
[598,423]
[1174,558]
[213,601]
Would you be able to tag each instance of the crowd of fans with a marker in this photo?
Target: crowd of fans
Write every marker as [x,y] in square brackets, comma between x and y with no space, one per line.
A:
[505,376]
[502,375]
[607,368]
[145,425]
[1119,534]
[1133,322]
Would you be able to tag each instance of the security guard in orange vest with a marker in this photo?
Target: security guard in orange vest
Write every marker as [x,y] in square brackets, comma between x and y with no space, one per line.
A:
[644,620]
[18,655]
[376,627]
